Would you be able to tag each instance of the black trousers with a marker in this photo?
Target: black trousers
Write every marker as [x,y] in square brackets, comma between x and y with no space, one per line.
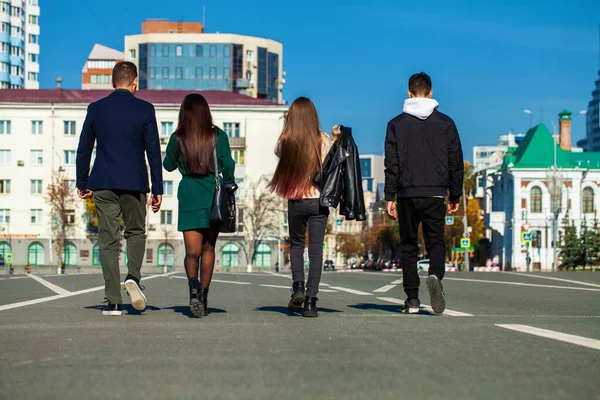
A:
[429,211]
[303,213]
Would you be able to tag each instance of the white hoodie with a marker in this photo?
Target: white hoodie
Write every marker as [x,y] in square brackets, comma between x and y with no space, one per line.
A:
[420,107]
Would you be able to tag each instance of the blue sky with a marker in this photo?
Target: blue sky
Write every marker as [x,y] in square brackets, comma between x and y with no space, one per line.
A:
[489,60]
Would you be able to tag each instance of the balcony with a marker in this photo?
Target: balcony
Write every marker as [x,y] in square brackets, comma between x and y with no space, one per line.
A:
[237,142]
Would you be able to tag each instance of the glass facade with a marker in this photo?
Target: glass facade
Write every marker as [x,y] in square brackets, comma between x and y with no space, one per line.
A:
[188,66]
[262,73]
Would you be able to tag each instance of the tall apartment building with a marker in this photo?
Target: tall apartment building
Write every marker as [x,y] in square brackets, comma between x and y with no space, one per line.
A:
[97,71]
[45,133]
[592,141]
[19,44]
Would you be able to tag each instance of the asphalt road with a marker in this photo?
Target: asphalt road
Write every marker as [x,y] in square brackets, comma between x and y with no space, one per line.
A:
[505,336]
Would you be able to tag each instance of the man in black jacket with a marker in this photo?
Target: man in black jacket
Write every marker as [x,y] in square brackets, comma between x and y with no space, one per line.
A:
[423,162]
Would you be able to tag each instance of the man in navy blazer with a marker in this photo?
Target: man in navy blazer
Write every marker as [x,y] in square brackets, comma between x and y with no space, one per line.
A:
[124,129]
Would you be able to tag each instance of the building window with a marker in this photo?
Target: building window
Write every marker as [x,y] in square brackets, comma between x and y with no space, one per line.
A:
[4,186]
[166,128]
[199,51]
[4,216]
[37,127]
[32,76]
[226,50]
[263,256]
[33,57]
[36,186]
[152,72]
[536,200]
[165,73]
[37,157]
[33,19]
[587,199]
[36,216]
[232,129]
[4,127]
[100,79]
[101,64]
[166,217]
[168,188]
[69,254]
[5,157]
[179,50]
[70,183]
[96,261]
[199,73]
[165,255]
[212,73]
[35,254]
[70,217]
[239,193]
[132,53]
[5,249]
[69,157]
[165,50]
[152,50]
[178,73]
[238,156]
[226,73]
[69,127]
[213,50]
[230,255]
[33,2]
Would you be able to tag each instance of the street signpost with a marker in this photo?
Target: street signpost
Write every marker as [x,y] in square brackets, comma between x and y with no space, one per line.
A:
[466,235]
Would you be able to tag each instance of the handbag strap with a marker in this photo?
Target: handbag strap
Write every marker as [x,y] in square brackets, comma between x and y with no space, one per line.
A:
[217,181]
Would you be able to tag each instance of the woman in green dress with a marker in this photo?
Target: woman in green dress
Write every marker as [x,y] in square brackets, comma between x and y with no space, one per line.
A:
[191,151]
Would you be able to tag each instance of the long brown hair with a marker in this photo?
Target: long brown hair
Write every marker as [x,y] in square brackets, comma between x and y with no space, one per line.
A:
[299,151]
[196,135]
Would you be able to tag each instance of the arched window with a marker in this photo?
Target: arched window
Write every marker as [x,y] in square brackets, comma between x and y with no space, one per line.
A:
[96,256]
[587,200]
[5,249]
[535,200]
[69,254]
[230,255]
[166,255]
[263,256]
[35,254]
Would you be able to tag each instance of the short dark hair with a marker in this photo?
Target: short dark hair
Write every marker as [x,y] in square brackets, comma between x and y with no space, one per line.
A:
[124,73]
[420,84]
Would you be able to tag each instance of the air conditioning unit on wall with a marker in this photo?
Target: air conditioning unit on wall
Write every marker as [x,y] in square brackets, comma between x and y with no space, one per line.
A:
[151,227]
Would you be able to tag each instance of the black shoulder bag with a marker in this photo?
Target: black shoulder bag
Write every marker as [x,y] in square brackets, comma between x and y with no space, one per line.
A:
[222,213]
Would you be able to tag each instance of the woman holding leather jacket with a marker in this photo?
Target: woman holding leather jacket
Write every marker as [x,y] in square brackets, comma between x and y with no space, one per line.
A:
[301,149]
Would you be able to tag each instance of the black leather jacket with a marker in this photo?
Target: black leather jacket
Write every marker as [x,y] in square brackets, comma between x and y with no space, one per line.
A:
[340,180]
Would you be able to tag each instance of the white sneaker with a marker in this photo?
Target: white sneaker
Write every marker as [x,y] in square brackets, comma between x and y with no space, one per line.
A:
[138,300]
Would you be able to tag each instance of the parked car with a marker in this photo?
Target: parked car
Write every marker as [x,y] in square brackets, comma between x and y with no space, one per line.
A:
[329,265]
[423,265]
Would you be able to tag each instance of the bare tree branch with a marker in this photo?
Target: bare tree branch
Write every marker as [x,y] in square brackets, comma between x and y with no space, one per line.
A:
[61,199]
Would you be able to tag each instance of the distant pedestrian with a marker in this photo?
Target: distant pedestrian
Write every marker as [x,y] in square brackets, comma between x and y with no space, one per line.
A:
[277,266]
[124,130]
[496,261]
[301,149]
[191,149]
[423,161]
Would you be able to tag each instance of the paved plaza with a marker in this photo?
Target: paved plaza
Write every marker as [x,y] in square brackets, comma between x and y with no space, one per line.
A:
[504,336]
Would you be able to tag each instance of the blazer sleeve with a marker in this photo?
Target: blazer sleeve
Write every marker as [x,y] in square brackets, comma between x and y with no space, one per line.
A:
[170,161]
[84,151]
[391,163]
[152,144]
[226,162]
[456,167]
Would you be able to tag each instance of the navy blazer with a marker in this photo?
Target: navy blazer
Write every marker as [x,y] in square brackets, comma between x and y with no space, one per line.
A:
[125,128]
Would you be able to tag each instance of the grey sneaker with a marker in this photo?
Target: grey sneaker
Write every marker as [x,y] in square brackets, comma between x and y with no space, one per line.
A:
[436,293]
[134,290]
[411,306]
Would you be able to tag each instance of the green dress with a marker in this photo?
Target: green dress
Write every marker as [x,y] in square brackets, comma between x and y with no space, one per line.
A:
[195,193]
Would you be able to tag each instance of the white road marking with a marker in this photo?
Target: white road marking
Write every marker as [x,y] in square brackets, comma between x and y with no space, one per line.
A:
[397,282]
[343,289]
[561,337]
[234,282]
[384,289]
[49,285]
[519,284]
[69,294]
[276,274]
[552,278]
[14,277]
[287,287]
[426,307]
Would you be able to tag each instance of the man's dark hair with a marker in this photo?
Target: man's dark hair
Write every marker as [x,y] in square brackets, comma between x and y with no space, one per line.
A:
[419,84]
[124,73]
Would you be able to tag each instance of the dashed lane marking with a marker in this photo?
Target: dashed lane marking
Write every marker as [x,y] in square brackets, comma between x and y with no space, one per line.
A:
[561,337]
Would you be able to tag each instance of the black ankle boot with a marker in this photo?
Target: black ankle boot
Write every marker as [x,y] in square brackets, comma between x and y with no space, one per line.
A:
[295,304]
[204,301]
[310,307]
[196,306]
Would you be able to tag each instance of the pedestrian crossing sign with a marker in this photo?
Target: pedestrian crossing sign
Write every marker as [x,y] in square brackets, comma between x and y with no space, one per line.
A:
[9,258]
[465,243]
[525,237]
[449,220]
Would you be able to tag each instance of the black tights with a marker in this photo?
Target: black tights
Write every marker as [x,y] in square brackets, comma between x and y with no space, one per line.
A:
[200,243]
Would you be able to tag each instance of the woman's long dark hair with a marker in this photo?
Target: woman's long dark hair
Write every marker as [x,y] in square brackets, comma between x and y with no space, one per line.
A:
[196,135]
[299,149]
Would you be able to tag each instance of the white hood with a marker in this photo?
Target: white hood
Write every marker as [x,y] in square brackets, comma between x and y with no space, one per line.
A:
[420,107]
